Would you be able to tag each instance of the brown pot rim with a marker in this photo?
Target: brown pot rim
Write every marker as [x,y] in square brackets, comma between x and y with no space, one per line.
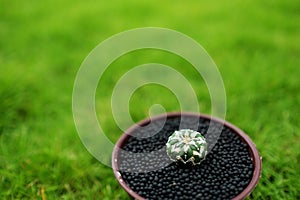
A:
[256,158]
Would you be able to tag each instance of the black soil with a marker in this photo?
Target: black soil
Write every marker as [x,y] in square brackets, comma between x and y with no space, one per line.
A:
[225,173]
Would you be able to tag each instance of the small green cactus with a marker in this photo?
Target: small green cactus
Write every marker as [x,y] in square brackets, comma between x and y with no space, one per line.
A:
[186,146]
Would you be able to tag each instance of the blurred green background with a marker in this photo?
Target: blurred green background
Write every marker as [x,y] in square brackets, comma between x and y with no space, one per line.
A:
[255,44]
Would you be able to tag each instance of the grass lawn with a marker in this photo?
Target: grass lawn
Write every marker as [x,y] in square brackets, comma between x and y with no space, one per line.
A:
[255,44]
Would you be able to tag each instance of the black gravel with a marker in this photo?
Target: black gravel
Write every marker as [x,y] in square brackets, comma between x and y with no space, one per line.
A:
[224,174]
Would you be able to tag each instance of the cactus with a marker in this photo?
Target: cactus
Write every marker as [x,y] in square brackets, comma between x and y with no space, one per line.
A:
[187,146]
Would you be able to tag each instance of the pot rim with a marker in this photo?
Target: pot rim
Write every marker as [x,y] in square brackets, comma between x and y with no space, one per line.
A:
[256,158]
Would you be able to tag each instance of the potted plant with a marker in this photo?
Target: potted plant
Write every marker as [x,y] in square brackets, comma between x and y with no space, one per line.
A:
[186,156]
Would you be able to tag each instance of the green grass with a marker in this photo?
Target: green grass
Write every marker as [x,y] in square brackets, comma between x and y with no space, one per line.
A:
[255,44]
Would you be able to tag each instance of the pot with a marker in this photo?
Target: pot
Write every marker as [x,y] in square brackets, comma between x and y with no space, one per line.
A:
[253,152]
